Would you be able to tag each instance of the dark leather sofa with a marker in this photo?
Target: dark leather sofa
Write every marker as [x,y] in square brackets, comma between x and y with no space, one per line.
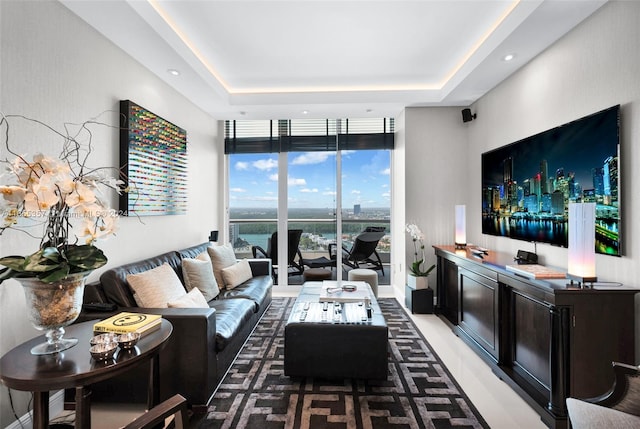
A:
[204,342]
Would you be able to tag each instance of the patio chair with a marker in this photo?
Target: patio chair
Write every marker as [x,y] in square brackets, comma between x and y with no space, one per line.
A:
[294,267]
[364,249]
[322,261]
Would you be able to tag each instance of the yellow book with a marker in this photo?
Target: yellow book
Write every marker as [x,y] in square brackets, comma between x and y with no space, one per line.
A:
[123,323]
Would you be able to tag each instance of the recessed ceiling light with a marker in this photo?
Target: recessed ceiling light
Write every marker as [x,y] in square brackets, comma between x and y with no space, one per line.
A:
[173,72]
[508,57]
[242,112]
[304,112]
[369,110]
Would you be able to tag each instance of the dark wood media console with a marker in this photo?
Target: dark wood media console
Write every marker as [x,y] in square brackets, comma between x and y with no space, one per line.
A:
[546,340]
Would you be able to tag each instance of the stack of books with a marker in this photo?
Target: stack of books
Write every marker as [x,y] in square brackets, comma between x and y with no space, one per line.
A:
[124,323]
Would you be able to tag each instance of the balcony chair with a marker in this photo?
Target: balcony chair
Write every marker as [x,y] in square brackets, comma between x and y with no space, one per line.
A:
[323,261]
[175,406]
[364,249]
[619,408]
[294,267]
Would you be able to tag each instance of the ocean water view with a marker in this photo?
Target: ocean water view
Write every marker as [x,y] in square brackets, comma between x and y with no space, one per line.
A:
[254,226]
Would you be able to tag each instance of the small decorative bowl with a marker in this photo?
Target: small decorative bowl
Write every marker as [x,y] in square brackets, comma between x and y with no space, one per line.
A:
[103,339]
[103,351]
[128,340]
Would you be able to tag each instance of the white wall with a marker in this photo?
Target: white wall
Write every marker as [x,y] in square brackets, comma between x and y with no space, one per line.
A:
[436,174]
[595,66]
[57,69]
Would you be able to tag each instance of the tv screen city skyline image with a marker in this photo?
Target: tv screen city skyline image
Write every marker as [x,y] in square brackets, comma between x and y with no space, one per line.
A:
[527,186]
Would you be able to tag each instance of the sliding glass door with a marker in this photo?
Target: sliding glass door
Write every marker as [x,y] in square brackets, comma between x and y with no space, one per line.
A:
[318,197]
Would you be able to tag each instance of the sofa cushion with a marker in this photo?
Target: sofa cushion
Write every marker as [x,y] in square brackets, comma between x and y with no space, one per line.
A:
[193,299]
[156,287]
[221,258]
[198,273]
[114,281]
[193,251]
[255,289]
[231,316]
[236,274]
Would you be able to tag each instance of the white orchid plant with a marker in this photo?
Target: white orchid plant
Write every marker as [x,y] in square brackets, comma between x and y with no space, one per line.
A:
[418,246]
[51,193]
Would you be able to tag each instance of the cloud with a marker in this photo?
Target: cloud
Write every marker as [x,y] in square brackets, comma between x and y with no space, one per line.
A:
[386,194]
[273,177]
[237,190]
[310,158]
[386,172]
[309,190]
[265,164]
[240,165]
[292,181]
[329,193]
[355,192]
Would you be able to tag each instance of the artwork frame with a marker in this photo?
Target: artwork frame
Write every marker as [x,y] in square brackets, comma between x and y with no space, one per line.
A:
[153,163]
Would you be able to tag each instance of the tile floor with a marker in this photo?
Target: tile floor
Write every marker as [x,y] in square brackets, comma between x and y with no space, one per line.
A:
[501,407]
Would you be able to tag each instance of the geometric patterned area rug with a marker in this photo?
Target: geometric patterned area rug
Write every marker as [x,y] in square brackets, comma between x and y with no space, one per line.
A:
[418,393]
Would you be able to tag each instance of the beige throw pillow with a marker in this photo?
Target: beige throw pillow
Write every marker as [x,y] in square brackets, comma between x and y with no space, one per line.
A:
[221,258]
[193,299]
[156,287]
[236,274]
[199,274]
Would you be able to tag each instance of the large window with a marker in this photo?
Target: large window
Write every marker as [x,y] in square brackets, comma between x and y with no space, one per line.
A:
[320,160]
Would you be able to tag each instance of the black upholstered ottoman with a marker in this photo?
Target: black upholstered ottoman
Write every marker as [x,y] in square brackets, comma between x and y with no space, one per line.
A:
[334,340]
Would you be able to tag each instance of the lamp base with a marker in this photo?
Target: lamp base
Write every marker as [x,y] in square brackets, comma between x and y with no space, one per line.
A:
[461,245]
[581,281]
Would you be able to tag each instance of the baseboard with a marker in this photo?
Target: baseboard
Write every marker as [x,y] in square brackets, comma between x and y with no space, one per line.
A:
[56,406]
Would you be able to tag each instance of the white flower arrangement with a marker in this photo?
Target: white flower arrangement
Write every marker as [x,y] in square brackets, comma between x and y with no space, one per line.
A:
[51,192]
[418,244]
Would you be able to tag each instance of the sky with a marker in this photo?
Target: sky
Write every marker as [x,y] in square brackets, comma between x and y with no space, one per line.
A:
[312,179]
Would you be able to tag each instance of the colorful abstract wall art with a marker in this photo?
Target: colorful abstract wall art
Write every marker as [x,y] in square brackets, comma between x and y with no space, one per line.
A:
[153,161]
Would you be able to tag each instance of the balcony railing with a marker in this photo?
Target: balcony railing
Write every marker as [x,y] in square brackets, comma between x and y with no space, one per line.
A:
[316,237]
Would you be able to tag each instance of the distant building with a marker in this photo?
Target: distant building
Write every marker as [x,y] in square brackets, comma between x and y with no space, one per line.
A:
[356,209]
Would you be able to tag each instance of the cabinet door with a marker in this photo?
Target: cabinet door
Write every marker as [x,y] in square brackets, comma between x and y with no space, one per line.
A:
[478,310]
[448,289]
[531,341]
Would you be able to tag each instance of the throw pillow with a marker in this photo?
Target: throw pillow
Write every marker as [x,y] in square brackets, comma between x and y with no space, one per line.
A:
[237,274]
[199,274]
[193,299]
[221,258]
[156,287]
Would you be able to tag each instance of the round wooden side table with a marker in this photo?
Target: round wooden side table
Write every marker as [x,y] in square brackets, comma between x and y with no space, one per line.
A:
[75,368]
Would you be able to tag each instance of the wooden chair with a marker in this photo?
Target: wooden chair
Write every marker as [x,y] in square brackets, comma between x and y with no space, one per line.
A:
[155,417]
[618,408]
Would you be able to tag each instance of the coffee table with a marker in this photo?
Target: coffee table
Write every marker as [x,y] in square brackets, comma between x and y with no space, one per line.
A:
[335,339]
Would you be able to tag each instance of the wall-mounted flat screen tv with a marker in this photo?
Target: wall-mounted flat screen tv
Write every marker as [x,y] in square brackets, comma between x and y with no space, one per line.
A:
[527,185]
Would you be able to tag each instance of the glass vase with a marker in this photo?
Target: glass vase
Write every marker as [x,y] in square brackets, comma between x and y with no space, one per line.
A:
[51,307]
